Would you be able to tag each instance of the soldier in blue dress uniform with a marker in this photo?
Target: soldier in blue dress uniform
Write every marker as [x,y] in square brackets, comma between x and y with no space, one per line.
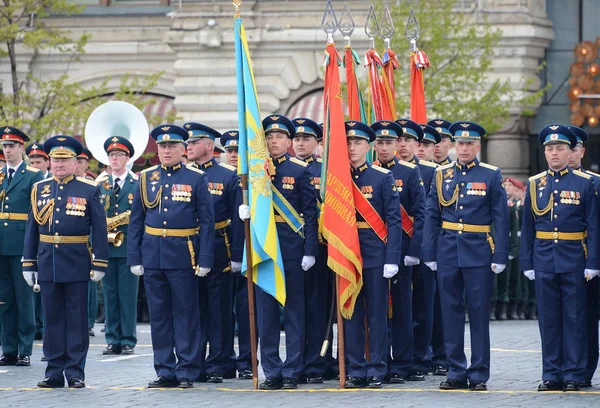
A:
[119,287]
[440,154]
[171,240]
[66,246]
[409,186]
[559,250]
[466,197]
[593,285]
[216,290]
[381,259]
[16,182]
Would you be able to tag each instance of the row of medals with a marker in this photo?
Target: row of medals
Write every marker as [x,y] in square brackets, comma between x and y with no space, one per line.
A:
[185,196]
[476,192]
[75,209]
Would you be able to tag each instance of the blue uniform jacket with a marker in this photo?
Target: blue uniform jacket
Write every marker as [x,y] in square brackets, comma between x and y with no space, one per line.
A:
[427,170]
[412,197]
[116,204]
[294,181]
[480,200]
[77,212]
[315,165]
[225,188]
[574,209]
[379,187]
[184,203]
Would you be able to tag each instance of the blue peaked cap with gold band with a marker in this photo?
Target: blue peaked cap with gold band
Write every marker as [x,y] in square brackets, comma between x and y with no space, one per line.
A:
[279,123]
[430,134]
[62,147]
[466,131]
[197,131]
[387,129]
[359,130]
[442,126]
[579,133]
[307,127]
[169,134]
[230,139]
[12,135]
[411,129]
[557,134]
[118,143]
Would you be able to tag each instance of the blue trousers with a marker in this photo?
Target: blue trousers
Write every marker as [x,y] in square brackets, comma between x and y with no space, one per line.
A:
[269,325]
[403,341]
[476,284]
[423,306]
[243,361]
[66,339]
[437,352]
[593,289]
[92,303]
[561,307]
[172,296]
[39,314]
[372,302]
[120,289]
[315,295]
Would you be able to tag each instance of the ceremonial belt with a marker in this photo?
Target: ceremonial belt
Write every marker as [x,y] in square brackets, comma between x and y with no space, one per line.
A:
[407,222]
[64,239]
[455,226]
[13,216]
[563,236]
[287,212]
[170,232]
[222,224]
[372,218]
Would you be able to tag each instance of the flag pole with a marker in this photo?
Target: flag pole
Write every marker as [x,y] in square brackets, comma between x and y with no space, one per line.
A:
[244,180]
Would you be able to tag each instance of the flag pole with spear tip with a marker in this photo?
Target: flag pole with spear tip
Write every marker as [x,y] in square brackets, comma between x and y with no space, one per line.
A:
[418,63]
[390,64]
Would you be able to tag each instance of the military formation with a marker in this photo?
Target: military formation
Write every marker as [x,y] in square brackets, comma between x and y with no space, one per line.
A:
[461,244]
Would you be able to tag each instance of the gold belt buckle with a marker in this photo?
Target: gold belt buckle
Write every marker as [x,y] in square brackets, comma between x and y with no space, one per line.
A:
[165,232]
[5,216]
[461,227]
[57,239]
[555,235]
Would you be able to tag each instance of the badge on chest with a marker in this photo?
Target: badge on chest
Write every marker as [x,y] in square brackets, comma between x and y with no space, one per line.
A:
[288,183]
[570,197]
[216,188]
[46,191]
[476,189]
[317,181]
[399,184]
[367,191]
[76,206]
[181,192]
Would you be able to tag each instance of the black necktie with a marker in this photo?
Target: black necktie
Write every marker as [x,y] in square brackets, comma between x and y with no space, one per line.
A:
[11,172]
[116,186]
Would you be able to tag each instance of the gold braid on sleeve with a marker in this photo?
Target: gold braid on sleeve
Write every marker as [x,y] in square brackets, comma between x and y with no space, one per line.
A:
[439,182]
[143,192]
[534,206]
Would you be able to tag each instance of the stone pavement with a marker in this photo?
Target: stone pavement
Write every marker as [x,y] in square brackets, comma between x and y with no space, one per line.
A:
[120,381]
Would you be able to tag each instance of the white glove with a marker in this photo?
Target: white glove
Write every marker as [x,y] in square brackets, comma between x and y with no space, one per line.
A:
[588,273]
[137,270]
[432,265]
[202,272]
[498,268]
[390,270]
[530,274]
[29,277]
[308,262]
[244,212]
[96,276]
[236,266]
[411,260]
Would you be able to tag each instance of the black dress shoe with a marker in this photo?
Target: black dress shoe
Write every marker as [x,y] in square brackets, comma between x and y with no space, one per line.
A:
[229,374]
[549,385]
[330,375]
[416,375]
[477,386]
[76,383]
[215,378]
[23,361]
[585,384]
[270,384]
[38,336]
[439,370]
[8,360]
[112,349]
[245,374]
[302,379]
[571,386]
[91,332]
[163,382]
[289,383]
[202,378]
[44,358]
[452,384]
[50,382]
[355,382]
[396,379]
[126,349]
[314,378]
[373,382]
[185,383]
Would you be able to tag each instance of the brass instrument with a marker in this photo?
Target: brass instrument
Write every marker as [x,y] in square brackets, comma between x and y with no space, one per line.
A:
[117,237]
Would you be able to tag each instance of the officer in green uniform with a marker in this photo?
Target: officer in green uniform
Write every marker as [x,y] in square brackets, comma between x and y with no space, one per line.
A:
[16,316]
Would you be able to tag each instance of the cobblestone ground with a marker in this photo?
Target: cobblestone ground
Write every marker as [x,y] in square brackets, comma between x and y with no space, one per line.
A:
[119,381]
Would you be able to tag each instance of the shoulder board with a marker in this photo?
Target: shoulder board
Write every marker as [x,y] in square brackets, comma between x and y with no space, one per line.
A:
[488,166]
[193,168]
[84,180]
[43,181]
[592,173]
[582,174]
[445,166]
[134,176]
[319,160]
[381,169]
[228,166]
[297,161]
[428,163]
[32,169]
[150,168]
[537,176]
[407,164]
[101,179]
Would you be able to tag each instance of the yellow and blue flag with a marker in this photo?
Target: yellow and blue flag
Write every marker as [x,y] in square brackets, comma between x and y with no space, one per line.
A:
[267,263]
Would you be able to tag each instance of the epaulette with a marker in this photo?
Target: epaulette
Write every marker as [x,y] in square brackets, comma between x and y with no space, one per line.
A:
[592,173]
[428,163]
[297,161]
[537,176]
[84,180]
[407,164]
[381,169]
[32,169]
[150,168]
[319,160]
[193,168]
[445,166]
[41,181]
[488,166]
[582,174]
[134,176]
[228,166]
[101,179]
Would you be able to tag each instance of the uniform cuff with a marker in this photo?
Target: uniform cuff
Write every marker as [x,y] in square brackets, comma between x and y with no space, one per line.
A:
[500,258]
[525,264]
[428,255]
[414,250]
[99,265]
[29,265]
[205,261]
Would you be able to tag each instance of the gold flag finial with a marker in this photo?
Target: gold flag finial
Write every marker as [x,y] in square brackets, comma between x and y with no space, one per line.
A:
[237,4]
